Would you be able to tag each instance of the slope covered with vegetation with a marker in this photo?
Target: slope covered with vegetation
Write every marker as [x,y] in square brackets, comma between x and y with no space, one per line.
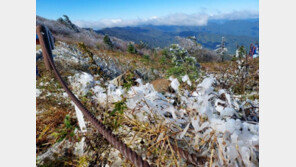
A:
[150,98]
[236,32]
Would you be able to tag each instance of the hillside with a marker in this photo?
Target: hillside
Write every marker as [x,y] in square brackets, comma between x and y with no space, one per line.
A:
[152,99]
[236,32]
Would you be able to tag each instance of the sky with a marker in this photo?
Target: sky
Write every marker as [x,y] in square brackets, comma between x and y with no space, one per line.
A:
[110,13]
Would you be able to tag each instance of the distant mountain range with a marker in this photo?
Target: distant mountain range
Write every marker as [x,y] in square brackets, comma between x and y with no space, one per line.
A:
[235,32]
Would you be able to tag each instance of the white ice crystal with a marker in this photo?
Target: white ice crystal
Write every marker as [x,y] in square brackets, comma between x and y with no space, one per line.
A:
[205,87]
[80,118]
[81,82]
[175,84]
[184,131]
[227,112]
[79,148]
[38,92]
[195,123]
[186,79]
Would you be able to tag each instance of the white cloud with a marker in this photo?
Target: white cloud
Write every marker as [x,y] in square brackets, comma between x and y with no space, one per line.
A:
[173,19]
[236,15]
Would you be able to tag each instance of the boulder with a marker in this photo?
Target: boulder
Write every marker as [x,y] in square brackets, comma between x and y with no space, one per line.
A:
[162,85]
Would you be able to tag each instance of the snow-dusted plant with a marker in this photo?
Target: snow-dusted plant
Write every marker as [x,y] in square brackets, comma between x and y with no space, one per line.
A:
[184,63]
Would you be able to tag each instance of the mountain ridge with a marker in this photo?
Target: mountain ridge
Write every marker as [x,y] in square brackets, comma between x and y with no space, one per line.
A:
[235,32]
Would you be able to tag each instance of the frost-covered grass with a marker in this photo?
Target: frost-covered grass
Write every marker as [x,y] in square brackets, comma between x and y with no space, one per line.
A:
[209,121]
[203,117]
[213,119]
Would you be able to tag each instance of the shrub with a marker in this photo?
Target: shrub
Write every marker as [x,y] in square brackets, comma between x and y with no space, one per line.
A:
[165,52]
[182,61]
[179,71]
[131,49]
[163,60]
[233,58]
[176,71]
[146,58]
[128,81]
[116,114]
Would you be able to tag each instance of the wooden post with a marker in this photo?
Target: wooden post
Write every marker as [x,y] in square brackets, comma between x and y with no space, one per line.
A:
[46,52]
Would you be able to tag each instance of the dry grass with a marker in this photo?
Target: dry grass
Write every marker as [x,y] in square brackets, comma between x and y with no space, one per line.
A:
[52,113]
[231,77]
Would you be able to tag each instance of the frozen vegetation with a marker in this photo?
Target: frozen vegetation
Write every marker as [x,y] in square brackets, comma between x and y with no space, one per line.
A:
[203,116]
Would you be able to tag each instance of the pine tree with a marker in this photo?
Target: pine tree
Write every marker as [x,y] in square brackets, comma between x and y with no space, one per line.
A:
[108,41]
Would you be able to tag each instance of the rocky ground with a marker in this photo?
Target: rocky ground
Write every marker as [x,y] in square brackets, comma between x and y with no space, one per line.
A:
[215,116]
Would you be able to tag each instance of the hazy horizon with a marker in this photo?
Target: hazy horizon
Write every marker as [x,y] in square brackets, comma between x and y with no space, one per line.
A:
[99,14]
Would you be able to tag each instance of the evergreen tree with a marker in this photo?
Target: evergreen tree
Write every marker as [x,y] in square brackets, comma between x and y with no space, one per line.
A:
[131,49]
[67,22]
[108,41]
[242,52]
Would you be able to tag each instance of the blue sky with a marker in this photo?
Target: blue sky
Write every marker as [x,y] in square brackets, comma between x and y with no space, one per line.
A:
[92,12]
